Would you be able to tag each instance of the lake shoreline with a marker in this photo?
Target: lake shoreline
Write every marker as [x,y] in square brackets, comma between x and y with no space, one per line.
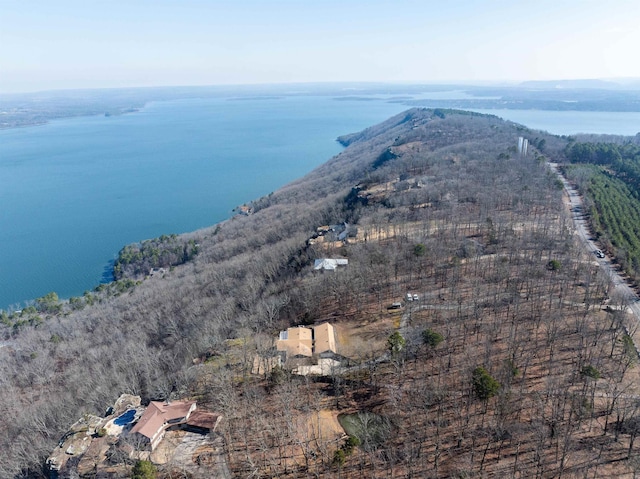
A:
[102,181]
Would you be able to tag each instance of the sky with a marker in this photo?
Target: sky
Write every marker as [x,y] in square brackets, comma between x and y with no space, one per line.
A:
[64,44]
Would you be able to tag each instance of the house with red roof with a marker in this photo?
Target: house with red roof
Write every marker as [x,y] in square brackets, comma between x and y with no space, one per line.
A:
[161,416]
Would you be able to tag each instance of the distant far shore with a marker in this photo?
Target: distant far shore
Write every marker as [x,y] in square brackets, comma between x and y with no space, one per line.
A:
[33,109]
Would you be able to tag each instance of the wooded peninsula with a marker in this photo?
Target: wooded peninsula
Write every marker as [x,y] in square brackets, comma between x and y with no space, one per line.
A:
[456,326]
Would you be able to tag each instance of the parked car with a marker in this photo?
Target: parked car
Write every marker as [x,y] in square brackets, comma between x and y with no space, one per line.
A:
[409,297]
[599,253]
[416,297]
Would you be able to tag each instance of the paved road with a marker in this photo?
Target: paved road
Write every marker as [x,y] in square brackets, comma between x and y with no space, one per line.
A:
[621,288]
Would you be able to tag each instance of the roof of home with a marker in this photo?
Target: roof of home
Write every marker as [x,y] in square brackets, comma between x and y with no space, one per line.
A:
[300,349]
[324,338]
[301,341]
[159,413]
[296,341]
[205,420]
[329,264]
[299,333]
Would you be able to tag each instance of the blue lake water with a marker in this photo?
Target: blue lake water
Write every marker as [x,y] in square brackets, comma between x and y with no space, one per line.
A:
[571,122]
[74,191]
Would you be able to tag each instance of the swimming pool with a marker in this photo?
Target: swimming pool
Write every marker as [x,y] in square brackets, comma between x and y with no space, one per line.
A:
[125,418]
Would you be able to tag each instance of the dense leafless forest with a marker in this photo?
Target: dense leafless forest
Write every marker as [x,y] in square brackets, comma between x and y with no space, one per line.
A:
[514,362]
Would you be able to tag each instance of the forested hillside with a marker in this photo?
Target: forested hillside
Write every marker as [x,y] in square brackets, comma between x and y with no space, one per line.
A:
[608,174]
[511,360]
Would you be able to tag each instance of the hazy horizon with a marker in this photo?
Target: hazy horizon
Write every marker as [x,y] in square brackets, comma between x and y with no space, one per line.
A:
[70,45]
[621,83]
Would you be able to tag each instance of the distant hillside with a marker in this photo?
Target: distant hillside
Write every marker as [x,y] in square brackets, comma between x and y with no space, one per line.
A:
[572,84]
[476,338]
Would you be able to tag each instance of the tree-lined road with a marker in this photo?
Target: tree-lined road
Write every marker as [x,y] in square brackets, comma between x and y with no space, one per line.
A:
[622,289]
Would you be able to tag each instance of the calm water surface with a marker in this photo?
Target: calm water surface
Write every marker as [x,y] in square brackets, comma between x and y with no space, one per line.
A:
[73,192]
[571,122]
